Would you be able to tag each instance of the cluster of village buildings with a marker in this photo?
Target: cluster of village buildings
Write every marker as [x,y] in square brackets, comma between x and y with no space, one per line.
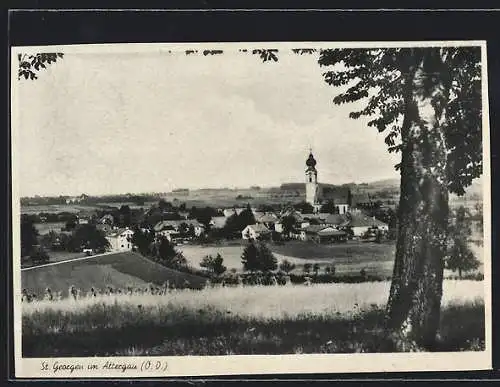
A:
[346,221]
[316,227]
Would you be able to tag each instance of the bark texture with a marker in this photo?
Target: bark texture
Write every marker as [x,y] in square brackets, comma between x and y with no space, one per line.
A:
[416,290]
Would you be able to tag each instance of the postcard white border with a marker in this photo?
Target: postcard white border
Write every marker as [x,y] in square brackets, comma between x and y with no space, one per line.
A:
[255,364]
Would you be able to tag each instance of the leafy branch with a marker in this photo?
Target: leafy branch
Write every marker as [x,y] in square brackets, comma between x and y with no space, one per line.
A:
[29,65]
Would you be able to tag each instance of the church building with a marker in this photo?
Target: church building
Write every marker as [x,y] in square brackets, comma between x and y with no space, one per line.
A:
[319,194]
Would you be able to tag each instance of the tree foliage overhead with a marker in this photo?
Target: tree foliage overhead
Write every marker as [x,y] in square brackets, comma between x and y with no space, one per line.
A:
[378,77]
[31,64]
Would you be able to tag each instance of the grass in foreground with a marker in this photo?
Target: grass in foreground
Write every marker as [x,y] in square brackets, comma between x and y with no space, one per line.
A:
[253,320]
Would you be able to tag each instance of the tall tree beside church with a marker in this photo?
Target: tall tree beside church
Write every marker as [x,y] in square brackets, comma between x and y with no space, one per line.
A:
[428,102]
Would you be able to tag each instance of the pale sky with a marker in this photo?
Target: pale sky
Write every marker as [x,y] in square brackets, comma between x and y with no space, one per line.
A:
[101,123]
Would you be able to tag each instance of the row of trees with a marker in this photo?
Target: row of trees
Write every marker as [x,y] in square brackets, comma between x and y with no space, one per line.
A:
[83,236]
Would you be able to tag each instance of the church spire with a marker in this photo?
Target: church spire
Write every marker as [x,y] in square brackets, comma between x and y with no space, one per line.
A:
[312,188]
[311,161]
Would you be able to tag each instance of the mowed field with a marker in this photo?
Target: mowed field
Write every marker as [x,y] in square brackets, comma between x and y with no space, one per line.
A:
[376,259]
[118,270]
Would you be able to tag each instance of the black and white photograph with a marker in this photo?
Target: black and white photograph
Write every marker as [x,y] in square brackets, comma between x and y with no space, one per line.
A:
[250,208]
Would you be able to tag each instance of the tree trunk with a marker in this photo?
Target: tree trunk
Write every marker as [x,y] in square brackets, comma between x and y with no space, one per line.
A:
[415,297]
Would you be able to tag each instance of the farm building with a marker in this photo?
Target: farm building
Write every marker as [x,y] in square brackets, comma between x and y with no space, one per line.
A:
[337,220]
[119,239]
[268,219]
[360,224]
[319,217]
[168,232]
[323,234]
[255,231]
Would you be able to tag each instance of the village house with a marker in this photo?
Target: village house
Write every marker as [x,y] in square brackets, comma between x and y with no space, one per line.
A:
[218,222]
[184,214]
[107,219]
[168,232]
[255,231]
[268,219]
[120,239]
[85,217]
[104,227]
[229,212]
[172,229]
[83,220]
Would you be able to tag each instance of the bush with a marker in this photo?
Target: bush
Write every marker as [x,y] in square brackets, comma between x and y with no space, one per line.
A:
[330,269]
[214,264]
[258,257]
[169,256]
[286,266]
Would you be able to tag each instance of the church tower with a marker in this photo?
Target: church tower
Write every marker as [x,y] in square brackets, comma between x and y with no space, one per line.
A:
[311,181]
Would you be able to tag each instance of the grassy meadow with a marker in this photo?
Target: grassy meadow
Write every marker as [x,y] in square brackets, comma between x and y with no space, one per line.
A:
[339,318]
[348,258]
[118,270]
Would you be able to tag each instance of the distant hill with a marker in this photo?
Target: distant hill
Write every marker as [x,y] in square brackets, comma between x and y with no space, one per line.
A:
[381,184]
[473,191]
[118,270]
